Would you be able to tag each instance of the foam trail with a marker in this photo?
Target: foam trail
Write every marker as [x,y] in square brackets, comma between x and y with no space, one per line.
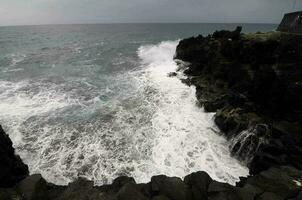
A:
[186,138]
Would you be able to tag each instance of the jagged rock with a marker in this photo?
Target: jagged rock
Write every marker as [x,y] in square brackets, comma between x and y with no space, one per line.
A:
[172,74]
[121,181]
[199,183]
[160,197]
[35,187]
[172,187]
[248,192]
[12,169]
[291,22]
[130,191]
[285,182]
[250,79]
[79,190]
[222,191]
[233,35]
[269,196]
[231,121]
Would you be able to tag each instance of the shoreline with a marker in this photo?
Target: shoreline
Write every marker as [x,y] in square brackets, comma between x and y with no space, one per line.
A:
[240,117]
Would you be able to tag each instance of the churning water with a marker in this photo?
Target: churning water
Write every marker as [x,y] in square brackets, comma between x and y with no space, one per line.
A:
[95,101]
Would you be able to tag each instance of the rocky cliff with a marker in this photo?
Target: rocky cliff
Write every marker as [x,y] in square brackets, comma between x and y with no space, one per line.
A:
[12,169]
[253,83]
[291,22]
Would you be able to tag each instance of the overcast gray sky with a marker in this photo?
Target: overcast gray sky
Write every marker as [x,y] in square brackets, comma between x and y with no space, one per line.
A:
[16,12]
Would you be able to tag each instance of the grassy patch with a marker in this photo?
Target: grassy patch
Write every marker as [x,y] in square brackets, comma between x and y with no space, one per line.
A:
[272,35]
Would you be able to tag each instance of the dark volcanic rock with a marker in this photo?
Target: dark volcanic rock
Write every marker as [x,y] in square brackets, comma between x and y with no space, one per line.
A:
[35,188]
[269,196]
[130,191]
[275,183]
[199,183]
[172,187]
[283,181]
[219,191]
[12,169]
[254,83]
[291,22]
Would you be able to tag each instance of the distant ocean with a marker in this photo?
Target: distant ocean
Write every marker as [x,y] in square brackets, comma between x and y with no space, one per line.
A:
[95,101]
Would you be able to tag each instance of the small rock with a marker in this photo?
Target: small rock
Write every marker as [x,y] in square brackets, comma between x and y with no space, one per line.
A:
[199,183]
[122,180]
[172,74]
[171,187]
[130,191]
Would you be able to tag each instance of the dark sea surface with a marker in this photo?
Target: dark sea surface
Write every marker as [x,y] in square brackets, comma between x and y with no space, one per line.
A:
[95,101]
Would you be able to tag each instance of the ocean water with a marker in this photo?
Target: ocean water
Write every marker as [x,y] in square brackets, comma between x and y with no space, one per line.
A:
[95,101]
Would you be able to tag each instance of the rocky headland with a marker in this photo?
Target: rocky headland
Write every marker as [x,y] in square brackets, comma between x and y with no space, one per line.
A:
[253,83]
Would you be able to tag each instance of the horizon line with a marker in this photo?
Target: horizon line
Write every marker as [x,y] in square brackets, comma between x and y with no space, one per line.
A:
[130,23]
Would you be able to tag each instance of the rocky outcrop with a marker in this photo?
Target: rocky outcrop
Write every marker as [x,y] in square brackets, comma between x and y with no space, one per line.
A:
[273,184]
[276,183]
[291,22]
[12,169]
[254,83]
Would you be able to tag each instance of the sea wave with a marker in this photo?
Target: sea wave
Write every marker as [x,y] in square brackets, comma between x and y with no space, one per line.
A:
[186,138]
[139,123]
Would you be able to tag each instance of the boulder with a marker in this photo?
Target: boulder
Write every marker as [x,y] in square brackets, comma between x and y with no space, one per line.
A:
[285,181]
[222,191]
[121,181]
[172,74]
[34,187]
[172,187]
[12,169]
[199,183]
[130,191]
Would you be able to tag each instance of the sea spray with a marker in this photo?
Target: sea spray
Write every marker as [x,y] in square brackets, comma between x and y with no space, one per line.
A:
[244,145]
[186,138]
[138,123]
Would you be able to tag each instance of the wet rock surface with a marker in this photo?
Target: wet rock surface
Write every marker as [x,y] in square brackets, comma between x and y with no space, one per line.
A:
[12,169]
[254,84]
[276,183]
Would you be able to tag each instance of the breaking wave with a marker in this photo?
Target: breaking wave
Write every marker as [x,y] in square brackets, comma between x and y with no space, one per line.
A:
[139,123]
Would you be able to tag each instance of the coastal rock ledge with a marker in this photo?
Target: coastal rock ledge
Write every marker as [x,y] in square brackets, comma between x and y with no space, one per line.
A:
[253,83]
[276,183]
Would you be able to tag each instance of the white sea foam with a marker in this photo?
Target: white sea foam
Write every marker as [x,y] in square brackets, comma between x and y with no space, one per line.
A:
[18,103]
[186,138]
[141,124]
